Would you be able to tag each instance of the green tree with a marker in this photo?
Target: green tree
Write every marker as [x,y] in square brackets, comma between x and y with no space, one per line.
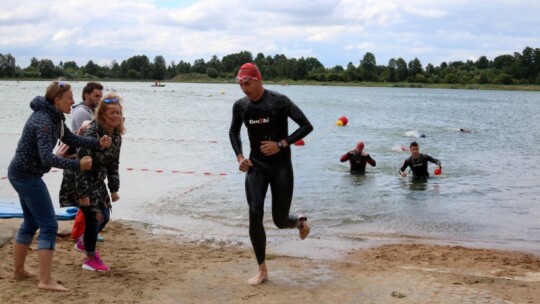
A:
[199,66]
[171,70]
[416,72]
[133,74]
[7,65]
[261,62]
[140,64]
[351,73]
[482,62]
[46,68]
[214,63]
[402,72]
[231,63]
[34,62]
[367,68]
[212,73]
[115,69]
[159,68]
[391,69]
[91,68]
[183,67]
[503,62]
[300,69]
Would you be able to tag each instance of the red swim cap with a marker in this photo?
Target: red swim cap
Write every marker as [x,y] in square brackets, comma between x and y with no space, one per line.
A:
[250,70]
[360,146]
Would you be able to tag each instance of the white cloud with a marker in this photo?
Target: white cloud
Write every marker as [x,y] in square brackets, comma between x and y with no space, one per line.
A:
[423,12]
[103,31]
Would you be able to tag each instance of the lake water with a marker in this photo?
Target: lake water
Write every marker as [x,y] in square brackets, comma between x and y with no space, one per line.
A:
[179,173]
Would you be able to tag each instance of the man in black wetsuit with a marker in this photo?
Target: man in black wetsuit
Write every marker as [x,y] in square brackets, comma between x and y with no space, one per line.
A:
[358,159]
[265,114]
[418,162]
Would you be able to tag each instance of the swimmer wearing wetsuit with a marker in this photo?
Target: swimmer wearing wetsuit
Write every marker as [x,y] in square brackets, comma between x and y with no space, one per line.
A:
[418,162]
[358,159]
[265,114]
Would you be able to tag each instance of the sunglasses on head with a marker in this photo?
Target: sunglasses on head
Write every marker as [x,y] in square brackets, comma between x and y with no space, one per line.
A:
[60,83]
[244,78]
[111,100]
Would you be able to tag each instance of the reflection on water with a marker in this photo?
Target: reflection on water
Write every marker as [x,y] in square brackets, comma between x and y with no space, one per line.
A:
[419,184]
[184,173]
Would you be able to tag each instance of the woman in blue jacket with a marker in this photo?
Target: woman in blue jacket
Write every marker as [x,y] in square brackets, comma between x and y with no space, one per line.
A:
[33,158]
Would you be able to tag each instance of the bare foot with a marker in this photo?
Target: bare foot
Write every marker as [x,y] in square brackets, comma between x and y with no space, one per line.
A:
[55,286]
[258,279]
[21,275]
[303,227]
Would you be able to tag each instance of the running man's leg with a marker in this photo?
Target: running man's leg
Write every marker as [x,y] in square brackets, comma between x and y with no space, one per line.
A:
[282,185]
[256,187]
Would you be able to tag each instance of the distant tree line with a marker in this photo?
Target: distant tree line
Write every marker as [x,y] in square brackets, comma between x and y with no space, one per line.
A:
[519,68]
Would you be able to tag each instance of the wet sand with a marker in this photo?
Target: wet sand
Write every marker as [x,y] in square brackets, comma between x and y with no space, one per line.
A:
[148,268]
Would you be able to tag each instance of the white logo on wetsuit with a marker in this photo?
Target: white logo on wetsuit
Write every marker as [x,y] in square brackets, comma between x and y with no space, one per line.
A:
[259,121]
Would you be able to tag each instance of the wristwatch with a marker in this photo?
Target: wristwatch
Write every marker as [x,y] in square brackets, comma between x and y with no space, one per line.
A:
[279,145]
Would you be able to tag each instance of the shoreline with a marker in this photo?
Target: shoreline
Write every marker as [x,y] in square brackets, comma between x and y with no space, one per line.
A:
[287,82]
[149,268]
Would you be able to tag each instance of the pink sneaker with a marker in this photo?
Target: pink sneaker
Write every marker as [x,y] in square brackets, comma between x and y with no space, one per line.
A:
[79,246]
[95,264]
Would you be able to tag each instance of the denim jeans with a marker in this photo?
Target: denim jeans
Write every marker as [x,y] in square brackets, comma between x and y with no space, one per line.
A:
[38,212]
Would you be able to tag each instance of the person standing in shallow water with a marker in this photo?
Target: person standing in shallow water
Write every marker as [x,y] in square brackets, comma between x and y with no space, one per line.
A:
[358,159]
[418,163]
[265,114]
[33,158]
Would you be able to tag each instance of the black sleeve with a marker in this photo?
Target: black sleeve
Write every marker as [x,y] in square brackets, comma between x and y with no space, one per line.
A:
[433,160]
[234,130]
[298,116]
[371,161]
[405,165]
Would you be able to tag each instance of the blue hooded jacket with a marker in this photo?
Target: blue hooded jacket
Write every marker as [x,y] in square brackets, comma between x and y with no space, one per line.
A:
[34,155]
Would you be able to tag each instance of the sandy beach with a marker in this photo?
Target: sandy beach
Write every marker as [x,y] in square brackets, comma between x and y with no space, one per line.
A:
[147,268]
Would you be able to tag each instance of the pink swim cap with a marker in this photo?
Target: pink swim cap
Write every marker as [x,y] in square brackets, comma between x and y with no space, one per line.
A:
[360,146]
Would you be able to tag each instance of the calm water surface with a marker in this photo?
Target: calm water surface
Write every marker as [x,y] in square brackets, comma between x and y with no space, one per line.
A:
[179,174]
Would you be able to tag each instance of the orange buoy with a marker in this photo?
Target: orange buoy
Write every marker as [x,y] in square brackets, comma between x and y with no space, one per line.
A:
[343,120]
[438,171]
[300,143]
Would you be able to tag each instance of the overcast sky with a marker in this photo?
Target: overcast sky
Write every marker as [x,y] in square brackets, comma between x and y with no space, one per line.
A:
[335,32]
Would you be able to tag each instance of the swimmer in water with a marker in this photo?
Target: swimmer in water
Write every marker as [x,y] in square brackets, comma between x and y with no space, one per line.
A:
[358,159]
[418,162]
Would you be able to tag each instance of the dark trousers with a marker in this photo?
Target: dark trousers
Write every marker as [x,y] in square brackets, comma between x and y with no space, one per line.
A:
[93,226]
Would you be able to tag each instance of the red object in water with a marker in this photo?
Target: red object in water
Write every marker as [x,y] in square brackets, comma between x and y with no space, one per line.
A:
[344,120]
[438,171]
[300,143]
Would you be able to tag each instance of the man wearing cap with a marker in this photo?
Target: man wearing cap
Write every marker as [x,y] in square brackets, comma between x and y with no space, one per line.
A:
[265,114]
[358,159]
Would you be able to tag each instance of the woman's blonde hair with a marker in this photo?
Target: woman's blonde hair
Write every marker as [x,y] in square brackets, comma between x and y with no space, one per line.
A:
[107,101]
[56,89]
